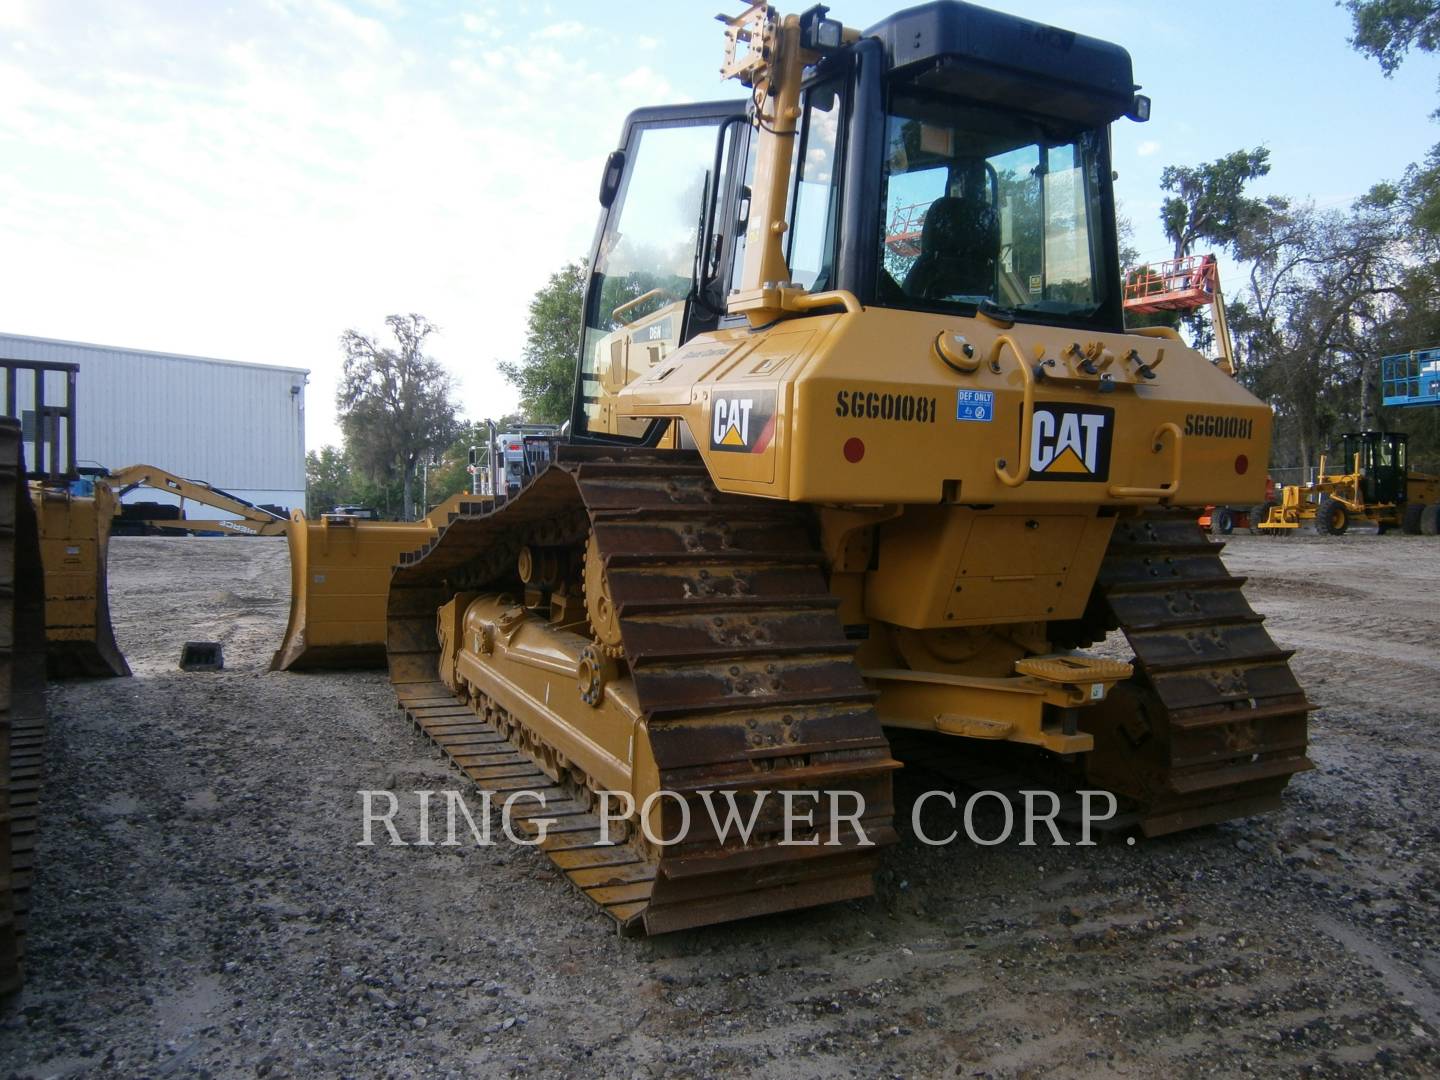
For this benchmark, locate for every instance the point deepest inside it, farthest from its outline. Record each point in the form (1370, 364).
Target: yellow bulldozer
(73, 515)
(861, 455)
(1379, 487)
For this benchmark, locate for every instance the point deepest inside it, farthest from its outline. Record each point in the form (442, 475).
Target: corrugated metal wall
(236, 426)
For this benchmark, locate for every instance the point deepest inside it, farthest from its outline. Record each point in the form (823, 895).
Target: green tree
(327, 480)
(1388, 29)
(545, 374)
(1320, 287)
(395, 405)
(1208, 201)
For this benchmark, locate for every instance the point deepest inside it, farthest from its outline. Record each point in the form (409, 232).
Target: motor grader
(837, 496)
(1379, 487)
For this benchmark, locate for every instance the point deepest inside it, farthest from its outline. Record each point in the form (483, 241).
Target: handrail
(638, 300)
(1027, 412)
(1155, 331)
(1173, 430)
(806, 301)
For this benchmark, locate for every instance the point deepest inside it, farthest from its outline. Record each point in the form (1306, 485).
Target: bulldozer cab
(946, 160)
(1382, 464)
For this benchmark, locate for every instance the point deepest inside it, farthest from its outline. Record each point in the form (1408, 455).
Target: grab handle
(1027, 412)
(1170, 491)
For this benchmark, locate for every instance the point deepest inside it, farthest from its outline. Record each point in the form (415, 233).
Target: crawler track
(1213, 723)
(22, 700)
(1211, 726)
(741, 668)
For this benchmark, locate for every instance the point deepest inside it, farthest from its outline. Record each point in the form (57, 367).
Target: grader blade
(339, 579)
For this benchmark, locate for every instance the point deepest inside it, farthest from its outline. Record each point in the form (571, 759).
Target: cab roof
(961, 48)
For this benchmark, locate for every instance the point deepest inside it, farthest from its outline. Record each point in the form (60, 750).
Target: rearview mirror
(610, 178)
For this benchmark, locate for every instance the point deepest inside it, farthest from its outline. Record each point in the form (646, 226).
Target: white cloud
(1147, 148)
(569, 28)
(648, 85)
(250, 184)
(14, 14)
(369, 32)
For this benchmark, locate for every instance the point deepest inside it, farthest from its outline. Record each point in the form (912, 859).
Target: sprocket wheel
(604, 619)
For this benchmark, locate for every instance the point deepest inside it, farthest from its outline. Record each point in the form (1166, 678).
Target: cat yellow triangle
(732, 438)
(1068, 462)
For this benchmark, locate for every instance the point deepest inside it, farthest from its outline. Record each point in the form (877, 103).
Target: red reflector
(1242, 463)
(854, 450)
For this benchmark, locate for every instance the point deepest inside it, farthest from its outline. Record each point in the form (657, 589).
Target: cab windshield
(994, 209)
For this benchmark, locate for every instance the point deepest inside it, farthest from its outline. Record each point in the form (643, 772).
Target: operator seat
(959, 245)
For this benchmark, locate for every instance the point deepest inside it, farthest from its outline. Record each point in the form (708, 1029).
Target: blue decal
(975, 405)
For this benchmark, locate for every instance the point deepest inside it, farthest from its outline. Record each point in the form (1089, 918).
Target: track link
(1213, 723)
(742, 671)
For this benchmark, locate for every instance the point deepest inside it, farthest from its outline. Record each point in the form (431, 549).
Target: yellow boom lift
(904, 486)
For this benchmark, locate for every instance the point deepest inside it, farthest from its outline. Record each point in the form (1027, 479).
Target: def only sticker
(975, 405)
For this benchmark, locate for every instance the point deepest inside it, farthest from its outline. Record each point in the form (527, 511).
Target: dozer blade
(22, 699)
(74, 548)
(339, 577)
(742, 679)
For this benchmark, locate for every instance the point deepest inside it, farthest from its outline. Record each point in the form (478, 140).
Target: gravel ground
(201, 906)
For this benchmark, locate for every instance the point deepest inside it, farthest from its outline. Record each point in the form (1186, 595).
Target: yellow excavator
(247, 520)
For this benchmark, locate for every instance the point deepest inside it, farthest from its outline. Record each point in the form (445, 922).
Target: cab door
(651, 284)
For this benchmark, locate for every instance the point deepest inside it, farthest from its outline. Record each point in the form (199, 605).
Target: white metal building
(236, 426)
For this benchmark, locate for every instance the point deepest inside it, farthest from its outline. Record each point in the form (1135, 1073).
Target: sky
(248, 179)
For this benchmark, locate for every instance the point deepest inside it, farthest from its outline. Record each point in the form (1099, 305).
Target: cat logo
(743, 423)
(1071, 442)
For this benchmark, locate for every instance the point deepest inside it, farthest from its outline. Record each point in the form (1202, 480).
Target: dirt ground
(201, 906)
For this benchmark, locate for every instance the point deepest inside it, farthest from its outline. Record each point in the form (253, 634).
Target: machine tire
(1331, 517)
(1222, 521)
(1430, 520)
(1410, 520)
(1257, 515)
